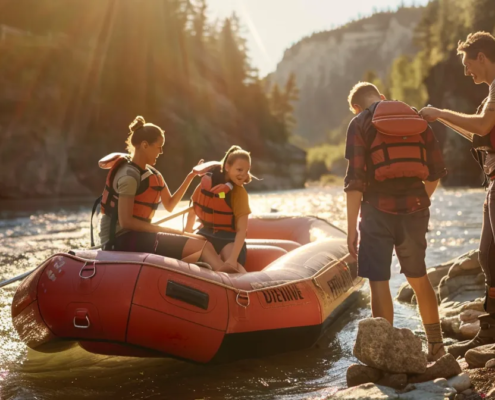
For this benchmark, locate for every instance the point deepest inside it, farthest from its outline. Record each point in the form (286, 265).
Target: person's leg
(428, 309)
(411, 252)
(381, 301)
(225, 253)
(486, 334)
(188, 249)
(376, 245)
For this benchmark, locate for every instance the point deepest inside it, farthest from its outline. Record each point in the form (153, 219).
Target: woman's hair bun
(137, 123)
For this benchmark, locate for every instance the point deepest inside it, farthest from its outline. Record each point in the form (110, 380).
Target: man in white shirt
(478, 58)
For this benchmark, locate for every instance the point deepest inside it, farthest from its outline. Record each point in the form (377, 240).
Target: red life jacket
(398, 149)
(146, 200)
(211, 204)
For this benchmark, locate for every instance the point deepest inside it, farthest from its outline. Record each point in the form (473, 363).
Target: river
(31, 231)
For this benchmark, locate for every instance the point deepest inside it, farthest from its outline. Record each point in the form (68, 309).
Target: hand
(230, 266)
(193, 172)
(352, 243)
(430, 114)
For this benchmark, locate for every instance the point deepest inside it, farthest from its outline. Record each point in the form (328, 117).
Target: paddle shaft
(26, 274)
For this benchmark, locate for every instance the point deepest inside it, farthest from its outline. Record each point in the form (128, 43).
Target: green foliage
(324, 159)
(162, 59)
(282, 103)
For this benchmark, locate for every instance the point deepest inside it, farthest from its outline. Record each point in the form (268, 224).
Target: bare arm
(240, 238)
(477, 124)
(191, 219)
(430, 187)
(169, 200)
(354, 198)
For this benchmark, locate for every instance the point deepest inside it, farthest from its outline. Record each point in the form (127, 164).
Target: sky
(272, 26)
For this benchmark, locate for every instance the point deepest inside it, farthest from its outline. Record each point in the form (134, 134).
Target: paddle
(25, 274)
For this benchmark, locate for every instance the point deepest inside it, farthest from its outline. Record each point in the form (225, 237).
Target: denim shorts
(381, 233)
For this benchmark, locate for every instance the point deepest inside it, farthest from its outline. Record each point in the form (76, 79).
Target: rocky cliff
(328, 64)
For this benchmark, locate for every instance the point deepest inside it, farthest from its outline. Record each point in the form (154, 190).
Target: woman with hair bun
(133, 191)
(221, 204)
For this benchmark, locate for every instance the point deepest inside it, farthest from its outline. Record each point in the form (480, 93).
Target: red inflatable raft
(137, 304)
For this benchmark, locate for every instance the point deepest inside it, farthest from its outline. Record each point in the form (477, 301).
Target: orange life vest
(211, 204)
(146, 200)
(398, 149)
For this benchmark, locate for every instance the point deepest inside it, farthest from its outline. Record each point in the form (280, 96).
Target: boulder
(405, 293)
(381, 346)
(460, 382)
(438, 389)
(396, 381)
(358, 374)
(469, 330)
(479, 356)
(444, 367)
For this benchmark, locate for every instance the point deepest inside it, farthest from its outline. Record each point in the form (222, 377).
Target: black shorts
(220, 239)
(164, 244)
(381, 232)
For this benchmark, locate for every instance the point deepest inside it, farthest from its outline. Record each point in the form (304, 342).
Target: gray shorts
(381, 232)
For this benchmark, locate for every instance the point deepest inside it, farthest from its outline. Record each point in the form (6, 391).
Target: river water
(30, 232)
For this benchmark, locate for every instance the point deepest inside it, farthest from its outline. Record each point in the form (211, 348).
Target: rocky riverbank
(393, 362)
(460, 285)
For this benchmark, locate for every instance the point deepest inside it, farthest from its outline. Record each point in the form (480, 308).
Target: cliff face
(329, 63)
(41, 159)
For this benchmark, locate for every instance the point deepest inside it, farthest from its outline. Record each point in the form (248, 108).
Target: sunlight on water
(27, 238)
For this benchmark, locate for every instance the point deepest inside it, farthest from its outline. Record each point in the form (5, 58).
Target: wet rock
(478, 357)
(490, 364)
(470, 315)
(444, 367)
(358, 374)
(469, 330)
(466, 264)
(436, 274)
(451, 286)
(460, 382)
(367, 391)
(467, 392)
(396, 381)
(381, 346)
(437, 389)
(451, 326)
(405, 293)
(460, 396)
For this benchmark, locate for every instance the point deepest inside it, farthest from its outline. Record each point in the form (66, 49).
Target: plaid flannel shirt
(396, 196)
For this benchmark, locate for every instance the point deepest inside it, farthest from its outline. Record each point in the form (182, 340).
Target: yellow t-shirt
(240, 202)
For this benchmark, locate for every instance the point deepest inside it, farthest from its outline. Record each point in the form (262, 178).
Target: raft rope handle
(84, 267)
(234, 289)
(245, 295)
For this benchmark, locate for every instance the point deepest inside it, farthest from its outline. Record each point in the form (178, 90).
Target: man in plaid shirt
(394, 214)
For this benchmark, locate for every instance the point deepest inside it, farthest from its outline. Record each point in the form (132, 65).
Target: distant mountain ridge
(328, 63)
